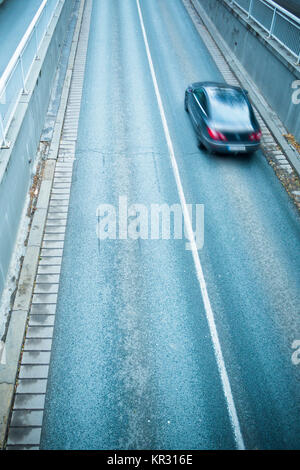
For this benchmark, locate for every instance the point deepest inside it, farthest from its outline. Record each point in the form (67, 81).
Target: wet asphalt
(133, 364)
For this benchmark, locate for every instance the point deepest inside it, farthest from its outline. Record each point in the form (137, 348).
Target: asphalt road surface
(135, 359)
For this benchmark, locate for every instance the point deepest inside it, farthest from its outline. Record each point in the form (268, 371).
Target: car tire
(185, 106)
(200, 144)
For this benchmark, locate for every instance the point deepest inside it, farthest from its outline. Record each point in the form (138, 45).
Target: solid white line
(200, 276)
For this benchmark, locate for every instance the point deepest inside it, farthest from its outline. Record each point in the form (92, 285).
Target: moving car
(223, 117)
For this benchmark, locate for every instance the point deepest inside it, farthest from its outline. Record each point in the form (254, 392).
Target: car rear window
(228, 106)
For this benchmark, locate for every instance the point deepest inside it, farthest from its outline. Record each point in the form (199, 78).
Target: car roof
(207, 85)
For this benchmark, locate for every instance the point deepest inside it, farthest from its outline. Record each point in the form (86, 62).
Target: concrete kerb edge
(29, 267)
(53, 150)
(241, 75)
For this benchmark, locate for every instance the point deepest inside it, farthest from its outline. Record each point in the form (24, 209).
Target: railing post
(36, 44)
(273, 23)
(250, 8)
(25, 92)
(4, 144)
(48, 17)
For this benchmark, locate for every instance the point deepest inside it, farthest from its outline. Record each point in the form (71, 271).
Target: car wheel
(185, 105)
(200, 144)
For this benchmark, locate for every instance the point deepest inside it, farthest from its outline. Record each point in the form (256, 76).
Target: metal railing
(13, 80)
(279, 23)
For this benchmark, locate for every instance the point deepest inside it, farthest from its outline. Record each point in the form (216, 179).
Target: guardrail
(13, 80)
(279, 23)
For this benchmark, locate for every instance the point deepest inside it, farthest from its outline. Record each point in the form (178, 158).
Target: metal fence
(13, 80)
(278, 22)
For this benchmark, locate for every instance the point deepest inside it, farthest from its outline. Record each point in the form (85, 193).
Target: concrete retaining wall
(16, 163)
(272, 70)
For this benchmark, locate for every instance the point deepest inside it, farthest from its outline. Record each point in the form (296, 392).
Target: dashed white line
(200, 276)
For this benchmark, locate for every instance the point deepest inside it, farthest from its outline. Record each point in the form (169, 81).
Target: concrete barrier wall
(16, 163)
(272, 71)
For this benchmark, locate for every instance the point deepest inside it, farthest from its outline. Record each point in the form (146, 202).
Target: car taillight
(216, 135)
(255, 136)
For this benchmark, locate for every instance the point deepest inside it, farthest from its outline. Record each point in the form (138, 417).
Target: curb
(19, 314)
(27, 412)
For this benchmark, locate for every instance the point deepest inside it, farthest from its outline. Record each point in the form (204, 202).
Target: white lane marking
(200, 276)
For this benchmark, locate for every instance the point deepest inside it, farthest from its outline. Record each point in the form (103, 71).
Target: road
(133, 361)
(15, 17)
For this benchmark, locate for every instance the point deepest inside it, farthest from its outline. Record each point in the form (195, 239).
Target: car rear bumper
(231, 147)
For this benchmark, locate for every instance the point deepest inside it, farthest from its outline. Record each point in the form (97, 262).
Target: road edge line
(200, 276)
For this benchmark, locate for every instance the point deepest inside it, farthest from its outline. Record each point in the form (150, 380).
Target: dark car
(223, 117)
